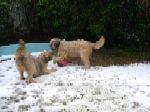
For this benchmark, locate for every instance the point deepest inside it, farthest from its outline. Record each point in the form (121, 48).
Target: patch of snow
(74, 89)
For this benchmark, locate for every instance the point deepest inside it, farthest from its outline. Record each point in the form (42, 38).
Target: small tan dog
(75, 49)
(34, 66)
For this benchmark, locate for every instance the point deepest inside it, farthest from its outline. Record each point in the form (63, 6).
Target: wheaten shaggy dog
(79, 48)
(34, 66)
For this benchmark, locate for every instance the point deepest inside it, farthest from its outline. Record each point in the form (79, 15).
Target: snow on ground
(74, 89)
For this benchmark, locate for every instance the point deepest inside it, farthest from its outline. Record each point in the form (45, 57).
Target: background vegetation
(124, 23)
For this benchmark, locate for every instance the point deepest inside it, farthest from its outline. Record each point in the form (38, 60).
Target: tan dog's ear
(47, 54)
(43, 55)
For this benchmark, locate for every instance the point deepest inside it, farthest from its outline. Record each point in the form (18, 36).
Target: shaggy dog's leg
(21, 74)
(86, 62)
(21, 71)
(30, 76)
(52, 70)
(85, 55)
(45, 69)
(48, 71)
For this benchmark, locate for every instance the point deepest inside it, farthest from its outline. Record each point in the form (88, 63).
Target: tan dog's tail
(21, 43)
(99, 43)
(20, 52)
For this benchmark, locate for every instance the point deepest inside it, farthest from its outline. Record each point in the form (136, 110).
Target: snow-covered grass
(74, 89)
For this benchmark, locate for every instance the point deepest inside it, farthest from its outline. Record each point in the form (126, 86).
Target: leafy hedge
(122, 22)
(5, 23)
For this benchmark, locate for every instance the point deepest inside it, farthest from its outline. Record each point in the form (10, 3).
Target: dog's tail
(21, 43)
(99, 43)
(20, 52)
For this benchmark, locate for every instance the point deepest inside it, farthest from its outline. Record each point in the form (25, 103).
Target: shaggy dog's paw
(86, 67)
(29, 82)
(22, 78)
(52, 70)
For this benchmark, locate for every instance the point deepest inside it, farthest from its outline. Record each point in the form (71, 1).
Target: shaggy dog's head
(54, 43)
